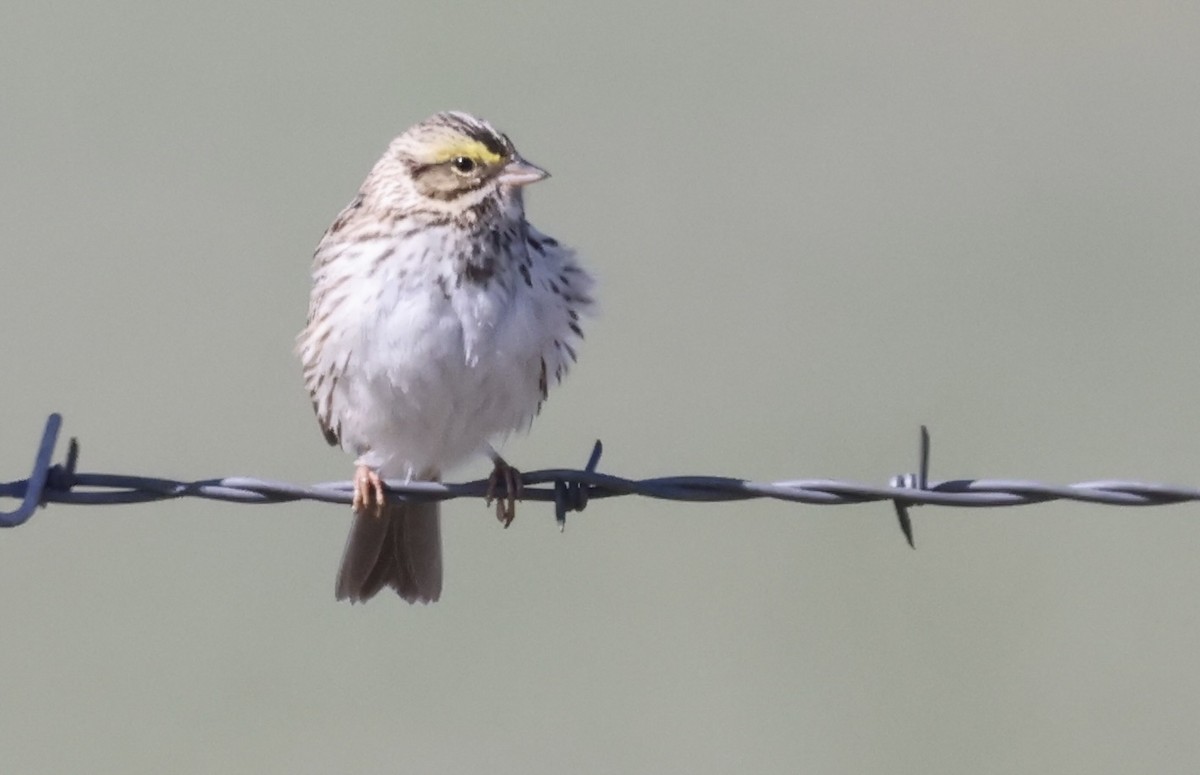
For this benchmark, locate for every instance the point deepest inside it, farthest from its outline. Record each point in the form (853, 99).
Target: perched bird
(438, 318)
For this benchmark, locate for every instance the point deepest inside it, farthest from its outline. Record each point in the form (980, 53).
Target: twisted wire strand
(570, 489)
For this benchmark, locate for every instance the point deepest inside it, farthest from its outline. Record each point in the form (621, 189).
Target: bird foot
(368, 492)
(505, 488)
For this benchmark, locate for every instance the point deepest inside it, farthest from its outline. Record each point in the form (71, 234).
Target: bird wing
(322, 369)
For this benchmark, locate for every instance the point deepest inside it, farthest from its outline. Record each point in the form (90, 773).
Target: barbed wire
(570, 490)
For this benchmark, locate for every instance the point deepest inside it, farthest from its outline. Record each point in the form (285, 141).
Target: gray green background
(815, 227)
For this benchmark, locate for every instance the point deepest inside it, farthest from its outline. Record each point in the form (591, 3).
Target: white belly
(433, 379)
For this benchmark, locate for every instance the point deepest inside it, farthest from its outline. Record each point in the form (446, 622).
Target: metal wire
(570, 490)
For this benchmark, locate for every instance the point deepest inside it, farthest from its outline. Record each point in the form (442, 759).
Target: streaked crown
(445, 136)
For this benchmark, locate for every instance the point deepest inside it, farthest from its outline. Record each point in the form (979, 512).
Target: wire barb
(32, 490)
(573, 496)
(917, 481)
(571, 490)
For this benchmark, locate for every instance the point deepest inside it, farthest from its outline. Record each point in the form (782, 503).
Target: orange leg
(368, 491)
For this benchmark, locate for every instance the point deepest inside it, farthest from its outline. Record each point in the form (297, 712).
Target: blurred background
(815, 227)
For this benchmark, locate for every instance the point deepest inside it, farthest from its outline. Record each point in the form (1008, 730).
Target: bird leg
(504, 487)
(368, 491)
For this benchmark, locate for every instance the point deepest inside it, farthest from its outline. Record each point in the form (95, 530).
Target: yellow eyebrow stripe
(472, 149)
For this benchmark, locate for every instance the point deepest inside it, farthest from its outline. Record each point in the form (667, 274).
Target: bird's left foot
(368, 492)
(505, 488)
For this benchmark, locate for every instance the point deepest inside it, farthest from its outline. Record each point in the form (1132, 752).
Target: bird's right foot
(369, 496)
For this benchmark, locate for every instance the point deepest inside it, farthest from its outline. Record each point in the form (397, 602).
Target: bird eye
(463, 164)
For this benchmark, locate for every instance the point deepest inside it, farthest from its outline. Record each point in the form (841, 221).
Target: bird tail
(401, 548)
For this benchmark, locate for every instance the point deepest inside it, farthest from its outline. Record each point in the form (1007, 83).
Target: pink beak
(519, 172)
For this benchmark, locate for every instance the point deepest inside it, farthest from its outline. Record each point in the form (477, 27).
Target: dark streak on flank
(525, 275)
(381, 259)
(480, 274)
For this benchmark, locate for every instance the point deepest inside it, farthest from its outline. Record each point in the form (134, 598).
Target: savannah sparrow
(437, 320)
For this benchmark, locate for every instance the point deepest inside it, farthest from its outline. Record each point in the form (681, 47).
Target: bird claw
(506, 501)
(369, 496)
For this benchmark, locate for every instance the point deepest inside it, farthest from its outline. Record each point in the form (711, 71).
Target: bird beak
(519, 172)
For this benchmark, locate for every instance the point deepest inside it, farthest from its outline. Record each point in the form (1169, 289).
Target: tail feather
(400, 548)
